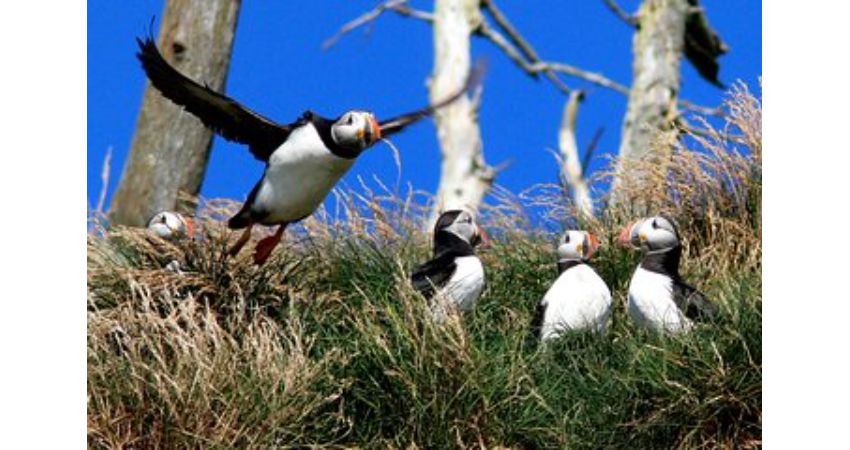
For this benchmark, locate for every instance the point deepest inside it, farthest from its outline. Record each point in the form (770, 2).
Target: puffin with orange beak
(304, 159)
(658, 297)
(454, 278)
(579, 299)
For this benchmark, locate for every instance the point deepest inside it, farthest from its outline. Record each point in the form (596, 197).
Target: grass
(328, 346)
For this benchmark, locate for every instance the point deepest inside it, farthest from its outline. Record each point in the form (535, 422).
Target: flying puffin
(658, 297)
(304, 159)
(171, 225)
(579, 299)
(455, 276)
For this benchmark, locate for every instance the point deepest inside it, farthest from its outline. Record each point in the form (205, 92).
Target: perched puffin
(454, 278)
(304, 159)
(171, 225)
(658, 297)
(579, 299)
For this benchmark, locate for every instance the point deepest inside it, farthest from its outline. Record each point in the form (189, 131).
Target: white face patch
(572, 245)
(351, 129)
(464, 227)
(656, 233)
(167, 224)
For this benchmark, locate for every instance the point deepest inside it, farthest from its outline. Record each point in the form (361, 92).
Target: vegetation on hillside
(327, 344)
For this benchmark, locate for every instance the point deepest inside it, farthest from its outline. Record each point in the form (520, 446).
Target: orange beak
(625, 238)
(592, 247)
(190, 227)
(375, 127)
(485, 238)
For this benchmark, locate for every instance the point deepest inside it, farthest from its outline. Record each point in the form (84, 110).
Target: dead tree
(488, 21)
(170, 148)
(665, 31)
(464, 176)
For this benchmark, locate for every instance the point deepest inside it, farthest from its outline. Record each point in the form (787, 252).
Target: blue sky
(279, 69)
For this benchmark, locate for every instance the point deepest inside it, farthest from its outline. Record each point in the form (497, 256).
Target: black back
(436, 272)
(688, 299)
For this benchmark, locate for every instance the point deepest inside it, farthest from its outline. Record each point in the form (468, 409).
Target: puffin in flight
(658, 297)
(579, 299)
(454, 278)
(304, 159)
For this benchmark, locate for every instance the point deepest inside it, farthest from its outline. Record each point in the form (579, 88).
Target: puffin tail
(241, 220)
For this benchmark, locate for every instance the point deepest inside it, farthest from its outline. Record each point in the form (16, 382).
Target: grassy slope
(327, 345)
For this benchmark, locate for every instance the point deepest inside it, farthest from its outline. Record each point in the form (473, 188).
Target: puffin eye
(655, 223)
(567, 238)
(350, 119)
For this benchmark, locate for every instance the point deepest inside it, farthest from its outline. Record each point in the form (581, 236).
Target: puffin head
(651, 234)
(170, 225)
(577, 245)
(356, 130)
(461, 223)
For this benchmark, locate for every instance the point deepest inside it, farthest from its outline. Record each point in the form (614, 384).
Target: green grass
(328, 346)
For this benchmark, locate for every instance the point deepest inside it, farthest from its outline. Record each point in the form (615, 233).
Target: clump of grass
(328, 346)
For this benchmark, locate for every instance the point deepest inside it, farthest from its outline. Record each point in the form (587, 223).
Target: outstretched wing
(434, 274)
(398, 123)
(221, 114)
(693, 303)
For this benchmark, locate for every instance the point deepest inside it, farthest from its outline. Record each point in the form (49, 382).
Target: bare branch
(514, 35)
(400, 7)
(485, 30)
(591, 147)
(571, 167)
(630, 19)
(592, 77)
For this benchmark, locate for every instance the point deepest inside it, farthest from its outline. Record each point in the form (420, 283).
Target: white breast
(466, 284)
(578, 300)
(299, 176)
(651, 302)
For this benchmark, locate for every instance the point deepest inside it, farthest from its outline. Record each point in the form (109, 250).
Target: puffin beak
(372, 131)
(190, 227)
(485, 238)
(592, 246)
(626, 239)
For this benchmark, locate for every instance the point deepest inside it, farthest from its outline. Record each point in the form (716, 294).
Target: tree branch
(513, 45)
(571, 166)
(400, 7)
(630, 19)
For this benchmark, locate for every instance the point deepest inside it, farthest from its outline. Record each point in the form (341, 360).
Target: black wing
(398, 123)
(433, 274)
(692, 302)
(221, 114)
(536, 326)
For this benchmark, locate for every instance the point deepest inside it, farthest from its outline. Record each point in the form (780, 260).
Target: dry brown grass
(325, 345)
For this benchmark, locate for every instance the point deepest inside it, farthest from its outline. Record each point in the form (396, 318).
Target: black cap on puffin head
(651, 233)
(577, 245)
(461, 223)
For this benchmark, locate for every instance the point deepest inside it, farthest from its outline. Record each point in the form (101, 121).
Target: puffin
(579, 299)
(659, 299)
(171, 225)
(303, 159)
(453, 279)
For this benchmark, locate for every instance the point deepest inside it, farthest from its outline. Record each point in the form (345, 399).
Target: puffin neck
(665, 262)
(447, 242)
(565, 264)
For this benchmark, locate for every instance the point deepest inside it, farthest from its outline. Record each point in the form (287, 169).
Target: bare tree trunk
(170, 149)
(658, 46)
(464, 178)
(571, 170)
